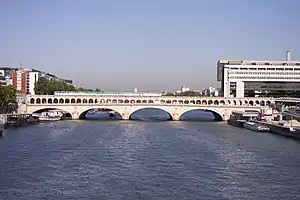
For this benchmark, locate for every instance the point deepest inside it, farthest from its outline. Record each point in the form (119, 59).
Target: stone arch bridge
(78, 105)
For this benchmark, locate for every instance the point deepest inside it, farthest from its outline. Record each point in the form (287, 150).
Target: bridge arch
(251, 103)
(82, 113)
(161, 108)
(38, 101)
(32, 101)
(217, 114)
(234, 102)
(240, 102)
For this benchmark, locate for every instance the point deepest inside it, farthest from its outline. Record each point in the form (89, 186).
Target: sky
(119, 45)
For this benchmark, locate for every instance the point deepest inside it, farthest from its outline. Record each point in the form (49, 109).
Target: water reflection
(150, 114)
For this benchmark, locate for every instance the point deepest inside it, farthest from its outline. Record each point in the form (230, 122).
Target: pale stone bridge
(79, 105)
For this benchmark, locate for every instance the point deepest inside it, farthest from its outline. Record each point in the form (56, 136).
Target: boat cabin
(245, 115)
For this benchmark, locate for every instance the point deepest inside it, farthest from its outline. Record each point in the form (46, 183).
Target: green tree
(97, 90)
(47, 87)
(8, 99)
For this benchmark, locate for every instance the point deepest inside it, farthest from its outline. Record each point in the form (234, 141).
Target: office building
(240, 78)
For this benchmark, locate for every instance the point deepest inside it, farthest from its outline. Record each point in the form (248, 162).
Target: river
(131, 160)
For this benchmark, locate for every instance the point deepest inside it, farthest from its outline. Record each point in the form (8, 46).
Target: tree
(97, 90)
(8, 102)
(47, 87)
(42, 86)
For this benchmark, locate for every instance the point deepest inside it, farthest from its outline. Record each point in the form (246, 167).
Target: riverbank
(17, 120)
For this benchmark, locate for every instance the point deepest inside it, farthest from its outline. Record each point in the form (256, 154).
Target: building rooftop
(254, 62)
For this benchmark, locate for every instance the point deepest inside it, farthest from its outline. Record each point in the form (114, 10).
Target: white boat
(50, 116)
(256, 127)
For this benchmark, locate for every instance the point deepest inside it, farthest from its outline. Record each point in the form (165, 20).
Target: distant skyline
(148, 44)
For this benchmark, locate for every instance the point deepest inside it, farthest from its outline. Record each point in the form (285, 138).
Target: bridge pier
(225, 116)
(175, 117)
(75, 115)
(125, 116)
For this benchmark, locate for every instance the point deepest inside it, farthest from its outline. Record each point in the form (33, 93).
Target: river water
(161, 160)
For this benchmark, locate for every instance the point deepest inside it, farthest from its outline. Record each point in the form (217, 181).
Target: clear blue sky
(148, 44)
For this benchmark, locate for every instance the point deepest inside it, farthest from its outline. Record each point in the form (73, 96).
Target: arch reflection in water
(200, 115)
(150, 114)
(100, 114)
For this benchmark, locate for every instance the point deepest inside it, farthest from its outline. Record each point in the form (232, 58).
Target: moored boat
(256, 127)
(238, 118)
(236, 122)
(49, 116)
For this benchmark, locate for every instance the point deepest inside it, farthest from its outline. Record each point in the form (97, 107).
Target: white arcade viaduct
(78, 105)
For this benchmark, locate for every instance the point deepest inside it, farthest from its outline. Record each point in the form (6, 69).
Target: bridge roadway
(78, 106)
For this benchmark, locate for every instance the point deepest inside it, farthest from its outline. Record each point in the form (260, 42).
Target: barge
(253, 126)
(238, 118)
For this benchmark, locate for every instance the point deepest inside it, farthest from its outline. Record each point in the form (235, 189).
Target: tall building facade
(19, 80)
(24, 80)
(259, 78)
